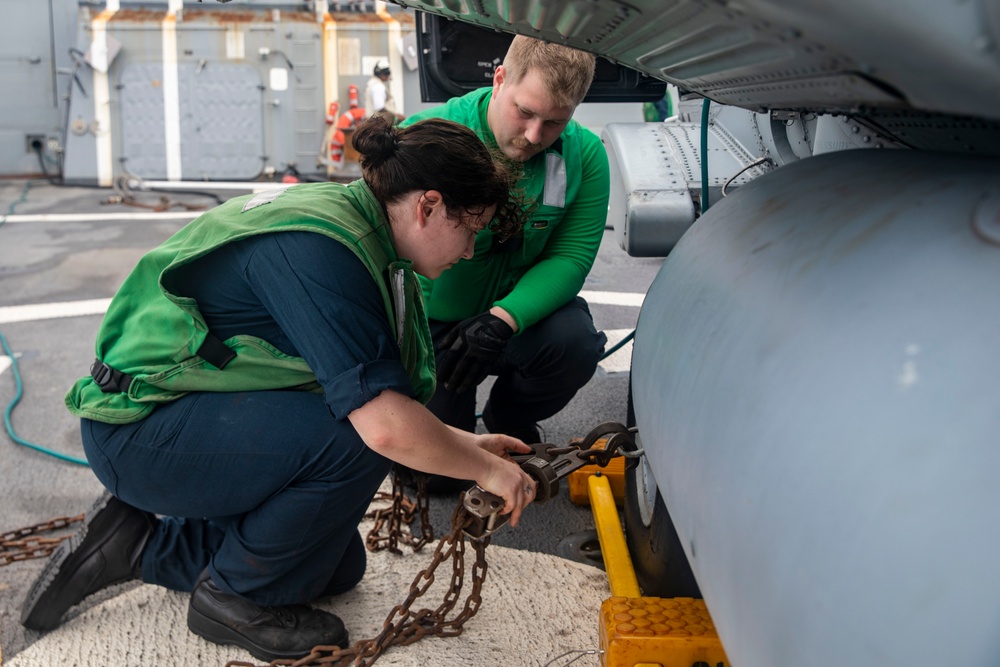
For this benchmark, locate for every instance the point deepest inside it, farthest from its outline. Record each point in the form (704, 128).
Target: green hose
(18, 393)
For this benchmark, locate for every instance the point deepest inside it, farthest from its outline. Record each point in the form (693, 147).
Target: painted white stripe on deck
(4, 363)
(621, 361)
(101, 217)
(249, 186)
(614, 298)
(48, 311)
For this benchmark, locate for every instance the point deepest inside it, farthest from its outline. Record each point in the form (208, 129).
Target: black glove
(470, 351)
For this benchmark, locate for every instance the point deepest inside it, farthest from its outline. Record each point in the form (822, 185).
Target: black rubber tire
(661, 566)
(583, 547)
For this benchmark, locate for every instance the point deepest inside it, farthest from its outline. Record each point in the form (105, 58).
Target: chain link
(402, 626)
(27, 543)
(401, 511)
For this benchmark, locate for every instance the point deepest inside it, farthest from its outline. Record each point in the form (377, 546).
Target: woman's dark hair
(438, 154)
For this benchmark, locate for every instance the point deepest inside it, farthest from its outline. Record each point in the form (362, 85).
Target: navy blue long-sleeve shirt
(309, 296)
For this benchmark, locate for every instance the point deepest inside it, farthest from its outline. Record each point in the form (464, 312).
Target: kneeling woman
(257, 374)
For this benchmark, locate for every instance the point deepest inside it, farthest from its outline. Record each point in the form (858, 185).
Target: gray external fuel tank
(817, 380)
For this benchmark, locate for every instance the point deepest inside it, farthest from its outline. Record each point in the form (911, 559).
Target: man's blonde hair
(566, 72)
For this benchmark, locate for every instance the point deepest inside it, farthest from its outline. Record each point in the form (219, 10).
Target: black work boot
(107, 550)
(268, 633)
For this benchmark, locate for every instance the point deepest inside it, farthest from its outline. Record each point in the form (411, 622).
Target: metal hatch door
(220, 113)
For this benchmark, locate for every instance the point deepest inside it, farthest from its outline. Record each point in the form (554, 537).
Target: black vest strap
(213, 350)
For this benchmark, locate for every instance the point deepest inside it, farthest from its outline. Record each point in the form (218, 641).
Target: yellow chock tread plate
(670, 632)
(614, 471)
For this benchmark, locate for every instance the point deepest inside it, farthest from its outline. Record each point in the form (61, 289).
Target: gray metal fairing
(817, 55)
(819, 375)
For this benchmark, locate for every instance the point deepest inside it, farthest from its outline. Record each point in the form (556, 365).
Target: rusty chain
(401, 511)
(123, 188)
(26, 543)
(164, 204)
(403, 626)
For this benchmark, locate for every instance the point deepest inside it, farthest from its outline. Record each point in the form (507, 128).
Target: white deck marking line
(253, 188)
(101, 217)
(4, 363)
(47, 311)
(614, 298)
(621, 361)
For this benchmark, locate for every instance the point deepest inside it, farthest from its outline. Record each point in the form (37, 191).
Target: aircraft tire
(661, 566)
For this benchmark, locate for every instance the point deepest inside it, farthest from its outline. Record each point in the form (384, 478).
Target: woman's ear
(427, 204)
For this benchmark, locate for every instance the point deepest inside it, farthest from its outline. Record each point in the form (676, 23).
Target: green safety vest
(567, 188)
(153, 335)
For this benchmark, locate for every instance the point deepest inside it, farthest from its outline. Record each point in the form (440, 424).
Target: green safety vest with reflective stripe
(153, 335)
(567, 188)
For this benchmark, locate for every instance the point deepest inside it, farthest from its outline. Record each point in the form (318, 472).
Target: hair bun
(376, 139)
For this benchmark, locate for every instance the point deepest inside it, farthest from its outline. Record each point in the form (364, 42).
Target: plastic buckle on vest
(108, 379)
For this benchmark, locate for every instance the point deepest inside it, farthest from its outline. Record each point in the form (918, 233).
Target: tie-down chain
(26, 543)
(547, 464)
(476, 517)
(403, 626)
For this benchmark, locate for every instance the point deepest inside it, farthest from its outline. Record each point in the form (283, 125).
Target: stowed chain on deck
(404, 626)
(401, 511)
(26, 543)
(476, 517)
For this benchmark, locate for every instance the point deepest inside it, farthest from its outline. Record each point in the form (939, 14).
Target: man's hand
(471, 350)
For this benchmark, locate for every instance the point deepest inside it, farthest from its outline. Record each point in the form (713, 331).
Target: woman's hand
(502, 445)
(505, 478)
(401, 429)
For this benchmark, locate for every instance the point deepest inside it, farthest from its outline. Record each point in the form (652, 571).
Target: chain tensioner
(547, 464)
